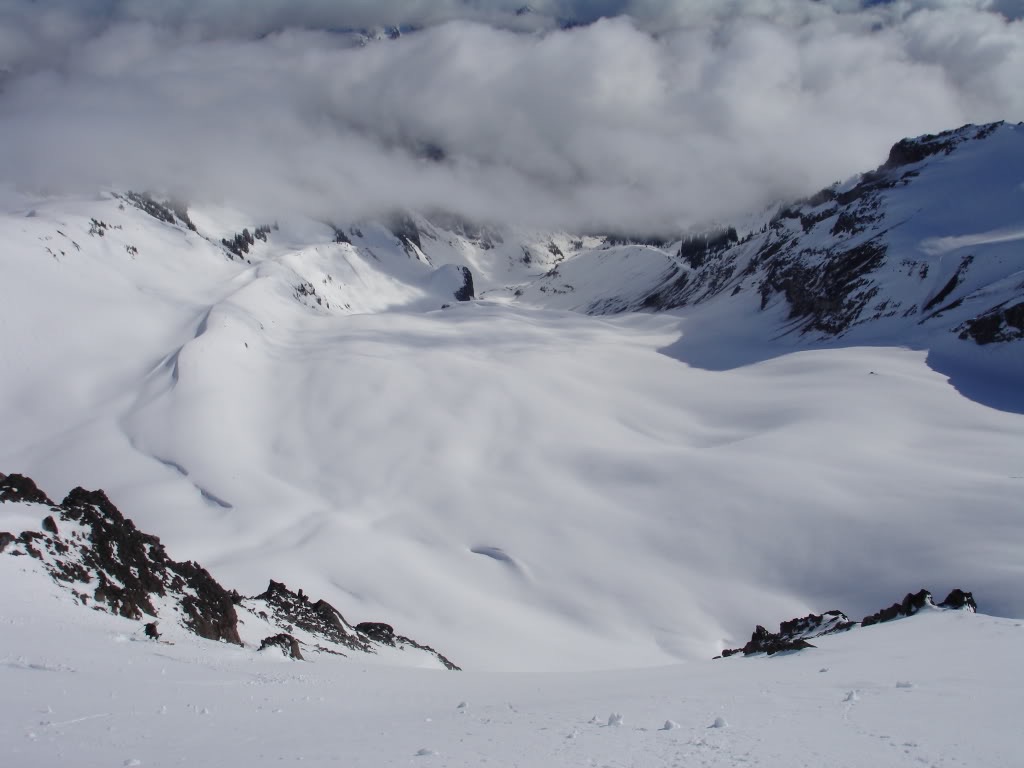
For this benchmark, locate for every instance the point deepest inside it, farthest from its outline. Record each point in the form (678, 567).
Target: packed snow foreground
(489, 440)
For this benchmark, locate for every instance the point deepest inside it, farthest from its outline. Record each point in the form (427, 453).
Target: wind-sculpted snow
(364, 445)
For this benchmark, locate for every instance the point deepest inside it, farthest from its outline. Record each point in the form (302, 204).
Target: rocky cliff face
(91, 549)
(929, 241)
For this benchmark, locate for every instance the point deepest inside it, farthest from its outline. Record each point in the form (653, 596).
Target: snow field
(642, 510)
(933, 690)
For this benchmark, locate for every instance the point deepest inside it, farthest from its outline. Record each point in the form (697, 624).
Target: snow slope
(82, 688)
(520, 487)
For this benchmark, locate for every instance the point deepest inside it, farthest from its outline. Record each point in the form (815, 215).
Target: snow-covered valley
(563, 502)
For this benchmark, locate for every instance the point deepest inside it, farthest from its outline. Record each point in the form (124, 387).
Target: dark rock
(793, 634)
(951, 285)
(126, 567)
(695, 251)
(319, 618)
(910, 605)
(296, 611)
(376, 630)
(958, 600)
(910, 151)
(287, 644)
(20, 488)
(814, 625)
(826, 257)
(466, 292)
(145, 203)
(827, 297)
(129, 570)
(401, 641)
(404, 228)
(626, 238)
(1000, 324)
(239, 244)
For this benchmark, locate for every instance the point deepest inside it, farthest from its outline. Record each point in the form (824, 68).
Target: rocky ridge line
(91, 549)
(793, 635)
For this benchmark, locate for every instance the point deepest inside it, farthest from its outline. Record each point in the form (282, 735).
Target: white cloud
(683, 112)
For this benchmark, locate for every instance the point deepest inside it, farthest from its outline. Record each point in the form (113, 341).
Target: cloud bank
(641, 115)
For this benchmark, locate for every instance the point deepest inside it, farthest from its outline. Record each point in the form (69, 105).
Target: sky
(646, 116)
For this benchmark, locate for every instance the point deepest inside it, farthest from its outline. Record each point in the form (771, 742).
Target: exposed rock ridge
(794, 634)
(840, 260)
(821, 254)
(320, 626)
(90, 548)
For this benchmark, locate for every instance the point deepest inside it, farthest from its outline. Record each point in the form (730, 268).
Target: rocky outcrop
(86, 544)
(169, 212)
(696, 251)
(466, 292)
(958, 600)
(910, 151)
(404, 227)
(317, 618)
(794, 634)
(376, 630)
(21, 488)
(89, 547)
(318, 625)
(862, 254)
(385, 635)
(917, 601)
(1002, 323)
(287, 644)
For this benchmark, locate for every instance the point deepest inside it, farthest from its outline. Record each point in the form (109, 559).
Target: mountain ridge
(312, 409)
(86, 541)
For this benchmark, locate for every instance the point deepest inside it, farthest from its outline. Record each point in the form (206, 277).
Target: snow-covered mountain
(925, 248)
(326, 404)
(533, 451)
